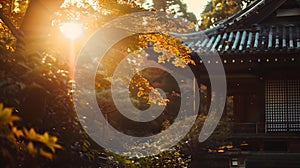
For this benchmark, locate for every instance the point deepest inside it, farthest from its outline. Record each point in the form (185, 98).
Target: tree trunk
(36, 24)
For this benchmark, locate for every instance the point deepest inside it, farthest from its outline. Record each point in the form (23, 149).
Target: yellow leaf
(13, 118)
(4, 113)
(31, 134)
(46, 154)
(17, 132)
(6, 116)
(49, 141)
(31, 149)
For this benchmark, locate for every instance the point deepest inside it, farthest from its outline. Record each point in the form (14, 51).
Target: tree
(217, 10)
(176, 7)
(36, 84)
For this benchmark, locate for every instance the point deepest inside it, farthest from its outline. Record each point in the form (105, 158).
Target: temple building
(260, 48)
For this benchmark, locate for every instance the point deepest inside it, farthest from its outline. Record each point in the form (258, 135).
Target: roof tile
(261, 39)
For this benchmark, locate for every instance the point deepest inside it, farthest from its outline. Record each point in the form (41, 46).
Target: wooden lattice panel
(282, 105)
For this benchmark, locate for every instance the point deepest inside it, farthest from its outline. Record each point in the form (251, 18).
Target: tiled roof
(252, 36)
(279, 38)
(250, 31)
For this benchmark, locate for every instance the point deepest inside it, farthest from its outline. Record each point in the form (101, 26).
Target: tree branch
(17, 33)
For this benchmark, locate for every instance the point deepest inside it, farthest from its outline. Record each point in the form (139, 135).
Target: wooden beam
(288, 12)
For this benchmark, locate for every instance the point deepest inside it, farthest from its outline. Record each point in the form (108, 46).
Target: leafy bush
(17, 141)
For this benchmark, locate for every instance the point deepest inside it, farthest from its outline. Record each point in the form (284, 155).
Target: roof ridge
(254, 14)
(250, 7)
(243, 19)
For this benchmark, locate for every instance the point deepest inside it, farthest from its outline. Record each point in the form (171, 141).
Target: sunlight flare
(72, 30)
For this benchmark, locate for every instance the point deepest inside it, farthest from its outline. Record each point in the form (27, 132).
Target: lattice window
(282, 98)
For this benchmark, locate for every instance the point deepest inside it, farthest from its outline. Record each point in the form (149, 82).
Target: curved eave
(277, 38)
(255, 13)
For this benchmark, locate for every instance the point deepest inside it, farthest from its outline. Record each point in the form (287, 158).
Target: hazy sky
(196, 6)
